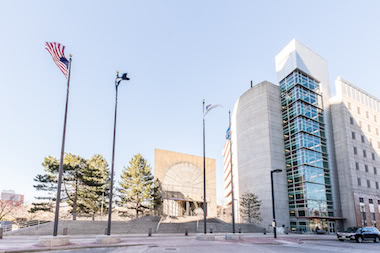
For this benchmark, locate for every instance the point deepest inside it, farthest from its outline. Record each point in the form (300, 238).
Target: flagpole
(204, 173)
(60, 170)
(232, 178)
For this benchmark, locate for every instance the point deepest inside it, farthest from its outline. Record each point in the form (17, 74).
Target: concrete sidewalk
(30, 243)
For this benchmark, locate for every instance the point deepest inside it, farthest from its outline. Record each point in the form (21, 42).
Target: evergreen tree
(157, 196)
(73, 166)
(250, 207)
(94, 191)
(82, 183)
(46, 183)
(137, 185)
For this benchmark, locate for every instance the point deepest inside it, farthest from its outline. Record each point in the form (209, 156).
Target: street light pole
(117, 82)
(273, 207)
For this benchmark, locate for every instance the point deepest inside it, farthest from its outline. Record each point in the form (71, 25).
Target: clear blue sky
(176, 53)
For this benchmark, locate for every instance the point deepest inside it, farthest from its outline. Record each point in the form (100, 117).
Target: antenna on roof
(251, 84)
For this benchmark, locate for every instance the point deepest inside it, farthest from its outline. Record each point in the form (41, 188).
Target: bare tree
(6, 207)
(250, 207)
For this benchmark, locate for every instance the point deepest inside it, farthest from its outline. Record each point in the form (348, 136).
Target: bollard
(105, 231)
(65, 231)
(265, 231)
(210, 230)
(1, 233)
(186, 231)
(239, 230)
(150, 232)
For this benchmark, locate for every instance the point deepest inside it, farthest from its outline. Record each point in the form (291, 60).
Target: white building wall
(363, 108)
(258, 148)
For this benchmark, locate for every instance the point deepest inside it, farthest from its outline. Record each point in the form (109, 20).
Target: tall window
(362, 212)
(377, 185)
(374, 118)
(359, 182)
(366, 167)
(363, 139)
(355, 151)
(369, 128)
(372, 211)
(364, 153)
(368, 184)
(357, 165)
(353, 135)
(373, 156)
(351, 120)
(374, 170)
(366, 114)
(358, 109)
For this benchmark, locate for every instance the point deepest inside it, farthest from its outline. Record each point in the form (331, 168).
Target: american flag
(57, 51)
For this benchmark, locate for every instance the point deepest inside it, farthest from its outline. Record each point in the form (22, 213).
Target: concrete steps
(136, 226)
(80, 227)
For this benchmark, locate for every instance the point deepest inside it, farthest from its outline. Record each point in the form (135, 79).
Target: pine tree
(82, 183)
(73, 167)
(157, 196)
(250, 207)
(93, 193)
(137, 185)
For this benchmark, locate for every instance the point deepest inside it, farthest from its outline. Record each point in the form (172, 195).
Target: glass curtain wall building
(306, 158)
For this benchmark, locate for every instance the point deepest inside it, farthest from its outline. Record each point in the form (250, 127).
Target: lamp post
(273, 207)
(117, 82)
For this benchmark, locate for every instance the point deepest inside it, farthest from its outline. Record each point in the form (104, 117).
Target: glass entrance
(332, 227)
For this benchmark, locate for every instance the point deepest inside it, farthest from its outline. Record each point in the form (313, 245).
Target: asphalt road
(309, 246)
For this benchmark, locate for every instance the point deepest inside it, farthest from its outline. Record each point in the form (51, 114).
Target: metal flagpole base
(51, 241)
(205, 237)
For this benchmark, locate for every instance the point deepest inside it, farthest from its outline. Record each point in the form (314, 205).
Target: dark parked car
(361, 234)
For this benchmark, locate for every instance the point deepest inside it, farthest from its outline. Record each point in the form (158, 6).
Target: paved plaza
(180, 243)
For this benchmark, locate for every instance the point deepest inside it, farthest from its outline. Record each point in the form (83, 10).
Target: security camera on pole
(205, 111)
(117, 82)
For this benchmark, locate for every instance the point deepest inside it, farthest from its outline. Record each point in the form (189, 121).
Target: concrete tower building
(309, 148)
(258, 148)
(289, 127)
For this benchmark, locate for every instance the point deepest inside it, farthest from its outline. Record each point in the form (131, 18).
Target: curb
(72, 247)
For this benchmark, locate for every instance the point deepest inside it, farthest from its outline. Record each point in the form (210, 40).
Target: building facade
(356, 124)
(181, 178)
(258, 148)
(314, 202)
(13, 197)
(288, 127)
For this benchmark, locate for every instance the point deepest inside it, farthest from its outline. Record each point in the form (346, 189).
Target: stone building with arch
(181, 178)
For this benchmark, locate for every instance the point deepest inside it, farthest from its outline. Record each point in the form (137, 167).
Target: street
(220, 246)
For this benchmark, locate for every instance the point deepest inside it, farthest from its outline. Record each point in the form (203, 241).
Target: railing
(33, 223)
(6, 228)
